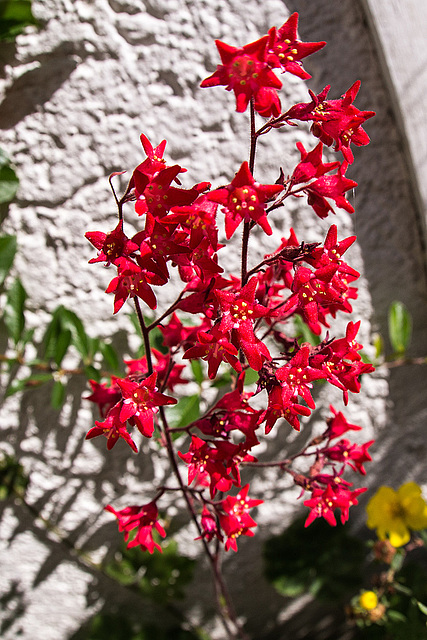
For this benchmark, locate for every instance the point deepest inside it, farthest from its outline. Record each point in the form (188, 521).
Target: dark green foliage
(15, 15)
(13, 481)
(110, 627)
(319, 559)
(160, 577)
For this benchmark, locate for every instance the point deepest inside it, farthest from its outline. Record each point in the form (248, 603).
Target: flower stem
(145, 335)
(226, 609)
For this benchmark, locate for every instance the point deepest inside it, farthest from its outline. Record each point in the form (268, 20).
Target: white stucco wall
(75, 96)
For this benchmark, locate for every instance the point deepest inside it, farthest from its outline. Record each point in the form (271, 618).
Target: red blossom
(104, 396)
(143, 518)
(111, 246)
(245, 199)
(113, 428)
(323, 502)
(234, 519)
(141, 402)
(214, 348)
(286, 50)
(243, 70)
(335, 121)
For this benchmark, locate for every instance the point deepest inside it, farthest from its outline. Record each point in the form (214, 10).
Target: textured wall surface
(75, 95)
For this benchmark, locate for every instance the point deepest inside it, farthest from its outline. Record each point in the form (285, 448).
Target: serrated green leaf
(187, 410)
(14, 317)
(58, 395)
(9, 184)
(7, 255)
(399, 327)
(35, 380)
(27, 336)
(197, 369)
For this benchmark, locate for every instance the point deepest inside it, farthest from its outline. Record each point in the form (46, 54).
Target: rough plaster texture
(75, 96)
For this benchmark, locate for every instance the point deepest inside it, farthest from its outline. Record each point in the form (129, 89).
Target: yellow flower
(368, 600)
(394, 513)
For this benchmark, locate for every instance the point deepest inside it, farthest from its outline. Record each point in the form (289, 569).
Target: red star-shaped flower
(243, 70)
(244, 199)
(286, 51)
(141, 402)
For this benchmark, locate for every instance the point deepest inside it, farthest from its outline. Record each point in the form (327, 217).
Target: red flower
(349, 453)
(163, 367)
(113, 428)
(157, 195)
(282, 403)
(243, 70)
(133, 281)
(335, 121)
(311, 165)
(144, 519)
(338, 425)
(323, 502)
(298, 375)
(236, 521)
(244, 199)
(104, 396)
(286, 51)
(111, 246)
(141, 402)
(239, 310)
(332, 187)
(202, 458)
(214, 348)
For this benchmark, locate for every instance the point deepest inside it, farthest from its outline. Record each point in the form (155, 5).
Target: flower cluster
(239, 324)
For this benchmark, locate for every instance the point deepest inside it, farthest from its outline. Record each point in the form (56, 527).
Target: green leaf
(62, 343)
(396, 616)
(111, 358)
(251, 376)
(187, 410)
(58, 396)
(15, 15)
(399, 327)
(7, 255)
(165, 574)
(32, 381)
(197, 369)
(422, 607)
(14, 317)
(69, 320)
(303, 333)
(9, 184)
(51, 334)
(378, 343)
(13, 480)
(92, 374)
